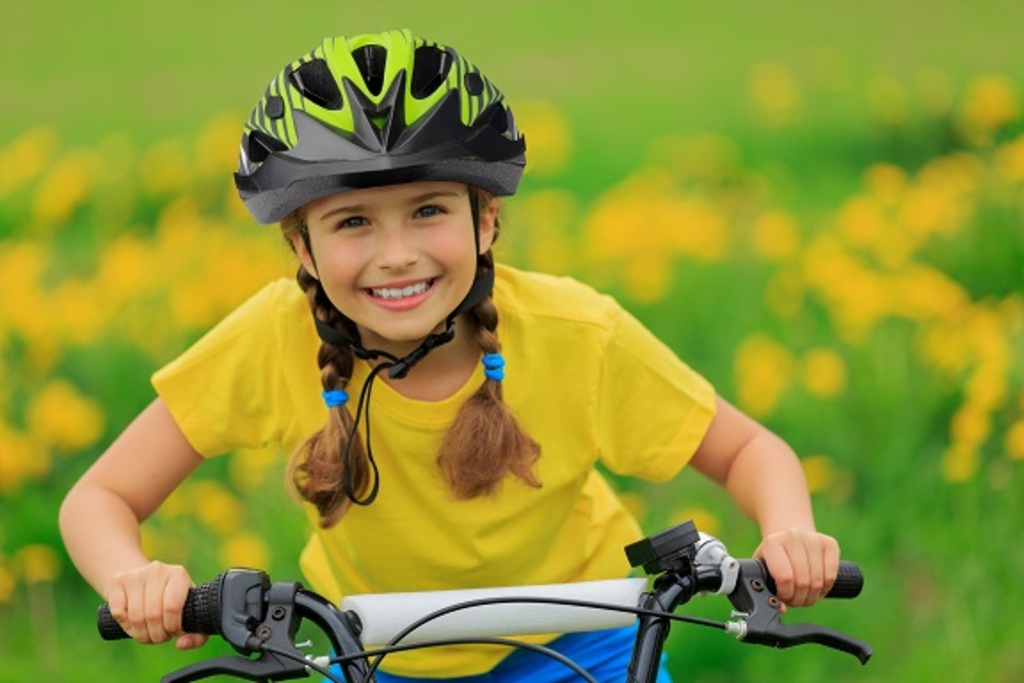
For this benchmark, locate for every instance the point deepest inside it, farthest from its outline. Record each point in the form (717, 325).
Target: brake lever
(760, 610)
(266, 667)
(275, 631)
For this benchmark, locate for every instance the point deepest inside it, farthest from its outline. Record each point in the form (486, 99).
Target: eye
(429, 211)
(351, 222)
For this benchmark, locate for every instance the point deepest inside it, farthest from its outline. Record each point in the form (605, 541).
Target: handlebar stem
(670, 590)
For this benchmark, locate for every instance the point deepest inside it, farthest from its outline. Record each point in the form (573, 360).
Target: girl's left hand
(804, 564)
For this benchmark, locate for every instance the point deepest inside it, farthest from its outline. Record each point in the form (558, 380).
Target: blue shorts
(603, 654)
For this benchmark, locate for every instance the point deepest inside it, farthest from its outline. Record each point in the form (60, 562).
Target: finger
(190, 640)
(779, 567)
(135, 607)
(156, 589)
(175, 594)
(815, 566)
(796, 551)
(117, 601)
(830, 558)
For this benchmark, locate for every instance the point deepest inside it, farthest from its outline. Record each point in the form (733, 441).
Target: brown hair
(483, 444)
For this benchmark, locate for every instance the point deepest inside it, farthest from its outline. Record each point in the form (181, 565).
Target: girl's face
(396, 259)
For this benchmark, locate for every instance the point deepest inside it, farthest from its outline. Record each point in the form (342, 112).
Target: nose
(396, 249)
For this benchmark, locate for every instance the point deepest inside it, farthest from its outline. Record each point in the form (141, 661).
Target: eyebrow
(416, 199)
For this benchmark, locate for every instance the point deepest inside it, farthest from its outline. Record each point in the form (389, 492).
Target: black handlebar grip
(108, 627)
(201, 613)
(849, 581)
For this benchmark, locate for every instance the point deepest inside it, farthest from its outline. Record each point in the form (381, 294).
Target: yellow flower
(991, 103)
(248, 469)
(959, 463)
(548, 135)
(1009, 160)
(125, 269)
(38, 563)
(645, 215)
(774, 92)
(541, 222)
(775, 235)
(215, 506)
(234, 207)
(819, 472)
(924, 293)
(823, 373)
(703, 519)
(244, 549)
(970, 426)
(961, 174)
(946, 347)
(857, 297)
(647, 277)
(862, 222)
(763, 371)
(21, 269)
(987, 384)
(26, 157)
(1014, 441)
(21, 459)
(216, 152)
(927, 210)
(165, 543)
(886, 182)
(6, 583)
(82, 314)
(65, 187)
(62, 417)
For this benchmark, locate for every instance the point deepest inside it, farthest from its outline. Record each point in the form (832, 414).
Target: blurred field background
(819, 206)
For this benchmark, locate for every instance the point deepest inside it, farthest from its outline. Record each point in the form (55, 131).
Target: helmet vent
(474, 83)
(261, 145)
(497, 117)
(274, 107)
(316, 83)
(430, 70)
(371, 60)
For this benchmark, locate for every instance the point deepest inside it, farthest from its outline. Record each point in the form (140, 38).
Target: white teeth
(396, 293)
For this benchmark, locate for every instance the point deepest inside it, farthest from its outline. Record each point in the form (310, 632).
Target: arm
(763, 476)
(100, 521)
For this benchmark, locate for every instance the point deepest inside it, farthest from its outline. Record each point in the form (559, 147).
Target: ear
(305, 257)
(488, 224)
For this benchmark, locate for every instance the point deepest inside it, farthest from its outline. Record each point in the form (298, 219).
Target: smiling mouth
(401, 292)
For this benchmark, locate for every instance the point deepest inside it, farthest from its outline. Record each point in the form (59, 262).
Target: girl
(493, 392)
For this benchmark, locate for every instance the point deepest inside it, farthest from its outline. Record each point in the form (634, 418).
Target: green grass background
(942, 560)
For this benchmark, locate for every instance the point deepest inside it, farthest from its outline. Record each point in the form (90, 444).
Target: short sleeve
(227, 391)
(653, 410)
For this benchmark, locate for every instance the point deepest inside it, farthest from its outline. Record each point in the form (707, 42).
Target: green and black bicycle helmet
(370, 110)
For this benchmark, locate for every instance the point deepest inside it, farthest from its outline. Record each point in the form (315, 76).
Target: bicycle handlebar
(257, 617)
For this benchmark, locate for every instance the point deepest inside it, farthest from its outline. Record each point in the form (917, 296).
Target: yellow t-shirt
(585, 379)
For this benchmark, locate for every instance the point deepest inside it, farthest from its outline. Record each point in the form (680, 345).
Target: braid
(317, 468)
(485, 442)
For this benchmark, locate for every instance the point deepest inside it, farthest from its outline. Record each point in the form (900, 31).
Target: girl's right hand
(147, 602)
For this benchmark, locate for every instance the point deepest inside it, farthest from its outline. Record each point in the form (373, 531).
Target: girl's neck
(442, 372)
